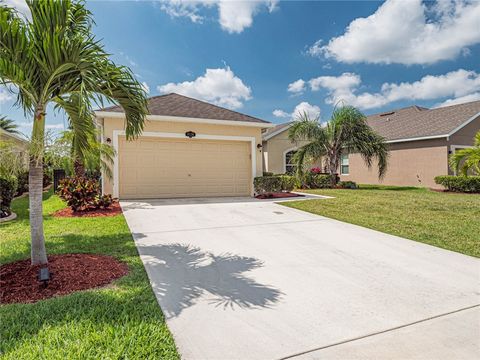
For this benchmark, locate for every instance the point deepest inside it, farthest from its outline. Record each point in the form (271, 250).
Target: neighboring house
(420, 141)
(19, 142)
(189, 148)
(278, 150)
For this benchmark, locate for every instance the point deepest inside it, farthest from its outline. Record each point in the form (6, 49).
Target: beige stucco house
(188, 148)
(20, 143)
(420, 141)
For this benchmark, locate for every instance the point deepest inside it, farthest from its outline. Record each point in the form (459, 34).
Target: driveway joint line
(230, 226)
(379, 332)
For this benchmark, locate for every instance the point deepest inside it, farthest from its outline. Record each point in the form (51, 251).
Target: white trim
(417, 138)
(102, 142)
(117, 133)
(464, 124)
(275, 133)
(119, 115)
(341, 159)
(284, 158)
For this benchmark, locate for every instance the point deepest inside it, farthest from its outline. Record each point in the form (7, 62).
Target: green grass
(447, 220)
(121, 321)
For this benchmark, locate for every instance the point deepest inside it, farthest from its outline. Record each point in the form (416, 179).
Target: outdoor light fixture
(109, 141)
(190, 134)
(44, 276)
(259, 146)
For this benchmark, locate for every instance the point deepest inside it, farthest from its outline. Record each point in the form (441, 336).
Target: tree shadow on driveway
(181, 274)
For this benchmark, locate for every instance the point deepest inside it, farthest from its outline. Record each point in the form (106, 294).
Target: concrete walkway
(247, 279)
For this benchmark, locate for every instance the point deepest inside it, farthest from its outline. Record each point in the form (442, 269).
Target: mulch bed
(115, 209)
(68, 273)
(278, 195)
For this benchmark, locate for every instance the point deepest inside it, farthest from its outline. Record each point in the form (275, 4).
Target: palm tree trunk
(333, 169)
(78, 168)
(35, 188)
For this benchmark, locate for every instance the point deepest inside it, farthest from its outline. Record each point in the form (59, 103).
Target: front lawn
(446, 220)
(122, 320)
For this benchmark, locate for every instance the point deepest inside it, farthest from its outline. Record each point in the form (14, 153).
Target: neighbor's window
(290, 166)
(344, 165)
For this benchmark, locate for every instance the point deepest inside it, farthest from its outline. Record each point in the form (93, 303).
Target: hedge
(467, 184)
(8, 188)
(312, 180)
(275, 183)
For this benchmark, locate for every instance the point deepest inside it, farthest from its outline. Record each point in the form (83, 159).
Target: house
(278, 150)
(20, 144)
(189, 148)
(420, 141)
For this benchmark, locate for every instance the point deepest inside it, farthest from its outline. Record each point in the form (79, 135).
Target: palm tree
(466, 160)
(49, 59)
(346, 132)
(8, 125)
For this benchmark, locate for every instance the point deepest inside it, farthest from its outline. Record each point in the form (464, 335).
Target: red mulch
(115, 209)
(68, 273)
(278, 195)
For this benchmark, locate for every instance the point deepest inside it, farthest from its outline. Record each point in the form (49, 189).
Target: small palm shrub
(315, 179)
(468, 184)
(347, 185)
(8, 188)
(83, 194)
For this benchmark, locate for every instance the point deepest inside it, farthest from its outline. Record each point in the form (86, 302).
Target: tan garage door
(168, 168)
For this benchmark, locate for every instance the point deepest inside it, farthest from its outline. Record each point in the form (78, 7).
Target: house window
(344, 165)
(290, 166)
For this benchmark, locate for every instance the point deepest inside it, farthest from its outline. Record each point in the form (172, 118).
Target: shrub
(266, 173)
(83, 194)
(288, 182)
(312, 180)
(468, 184)
(267, 184)
(347, 185)
(8, 188)
(22, 186)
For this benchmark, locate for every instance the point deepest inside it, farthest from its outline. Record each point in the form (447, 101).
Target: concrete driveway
(249, 279)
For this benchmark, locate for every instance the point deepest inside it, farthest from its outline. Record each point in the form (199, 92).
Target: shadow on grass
(390, 187)
(181, 274)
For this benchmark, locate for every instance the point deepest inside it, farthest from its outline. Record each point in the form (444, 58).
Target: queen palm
(468, 159)
(48, 60)
(8, 125)
(346, 132)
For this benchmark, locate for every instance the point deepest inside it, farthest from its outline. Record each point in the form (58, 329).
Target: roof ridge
(449, 106)
(217, 106)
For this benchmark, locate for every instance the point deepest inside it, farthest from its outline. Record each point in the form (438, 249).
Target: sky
(276, 59)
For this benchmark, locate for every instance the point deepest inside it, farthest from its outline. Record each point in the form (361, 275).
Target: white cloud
(457, 84)
(407, 32)
(19, 5)
(219, 86)
(312, 111)
(5, 95)
(297, 87)
(281, 113)
(460, 100)
(233, 16)
(146, 87)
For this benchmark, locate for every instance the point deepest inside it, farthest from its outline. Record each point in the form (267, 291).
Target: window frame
(345, 157)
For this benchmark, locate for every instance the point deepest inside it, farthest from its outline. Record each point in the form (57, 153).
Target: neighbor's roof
(183, 106)
(277, 129)
(417, 122)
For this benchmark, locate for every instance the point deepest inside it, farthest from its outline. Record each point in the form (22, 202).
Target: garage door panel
(162, 168)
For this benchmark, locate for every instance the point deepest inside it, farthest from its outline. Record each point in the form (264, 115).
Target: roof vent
(388, 113)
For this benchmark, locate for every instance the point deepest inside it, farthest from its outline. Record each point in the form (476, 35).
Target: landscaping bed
(278, 195)
(119, 320)
(113, 210)
(69, 272)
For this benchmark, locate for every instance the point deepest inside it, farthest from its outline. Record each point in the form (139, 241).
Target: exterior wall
(111, 124)
(465, 135)
(273, 150)
(413, 163)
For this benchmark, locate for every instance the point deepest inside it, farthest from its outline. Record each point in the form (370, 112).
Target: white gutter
(417, 138)
(120, 115)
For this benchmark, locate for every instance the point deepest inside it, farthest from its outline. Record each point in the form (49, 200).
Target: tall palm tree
(8, 125)
(346, 132)
(466, 160)
(49, 59)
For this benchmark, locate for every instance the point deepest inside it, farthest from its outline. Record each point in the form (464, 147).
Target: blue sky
(272, 59)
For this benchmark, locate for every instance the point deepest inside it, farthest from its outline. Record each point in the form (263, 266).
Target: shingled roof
(277, 129)
(416, 122)
(184, 106)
